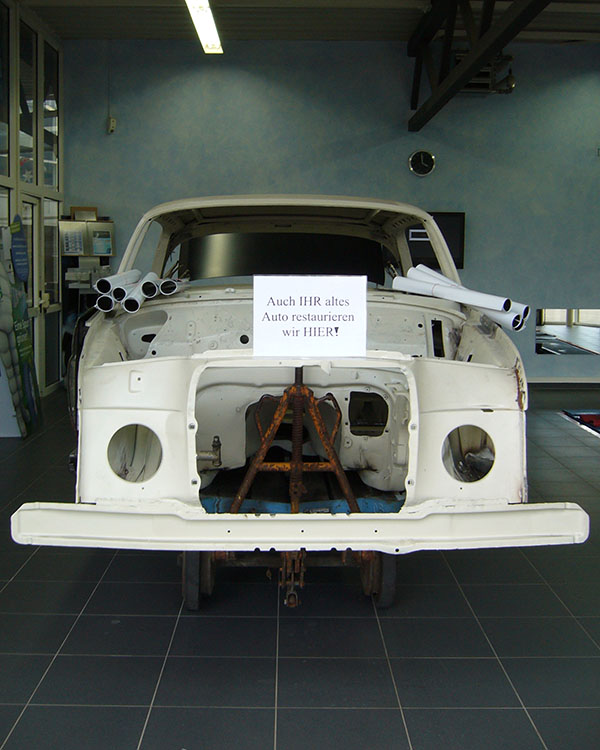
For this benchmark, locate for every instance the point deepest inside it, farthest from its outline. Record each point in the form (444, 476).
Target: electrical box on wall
(92, 238)
(87, 246)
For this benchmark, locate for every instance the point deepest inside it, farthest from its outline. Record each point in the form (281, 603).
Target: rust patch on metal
(521, 388)
(302, 401)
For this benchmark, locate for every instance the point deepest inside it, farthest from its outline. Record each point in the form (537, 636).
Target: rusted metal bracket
(301, 400)
(291, 575)
(212, 456)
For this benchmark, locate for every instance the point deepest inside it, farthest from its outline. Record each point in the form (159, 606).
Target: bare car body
(431, 426)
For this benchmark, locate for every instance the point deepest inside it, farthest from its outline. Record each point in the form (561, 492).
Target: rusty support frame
(301, 400)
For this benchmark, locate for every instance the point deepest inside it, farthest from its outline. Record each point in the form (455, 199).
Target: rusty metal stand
(301, 400)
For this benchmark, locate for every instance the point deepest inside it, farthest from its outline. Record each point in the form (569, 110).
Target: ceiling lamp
(205, 26)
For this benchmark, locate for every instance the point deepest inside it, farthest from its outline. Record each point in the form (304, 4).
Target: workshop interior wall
(331, 118)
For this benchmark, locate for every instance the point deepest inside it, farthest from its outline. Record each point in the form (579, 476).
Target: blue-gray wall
(332, 118)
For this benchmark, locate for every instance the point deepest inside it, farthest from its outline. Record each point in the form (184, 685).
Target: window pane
(27, 217)
(589, 317)
(555, 317)
(52, 348)
(51, 257)
(50, 116)
(27, 85)
(4, 90)
(3, 207)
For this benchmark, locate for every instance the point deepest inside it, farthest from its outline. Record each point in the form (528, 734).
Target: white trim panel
(172, 525)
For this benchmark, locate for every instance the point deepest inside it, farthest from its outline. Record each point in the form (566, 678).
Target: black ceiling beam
(414, 97)
(469, 22)
(448, 41)
(512, 21)
(487, 13)
(428, 26)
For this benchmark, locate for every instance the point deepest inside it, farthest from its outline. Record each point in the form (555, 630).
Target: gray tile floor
(587, 337)
(483, 649)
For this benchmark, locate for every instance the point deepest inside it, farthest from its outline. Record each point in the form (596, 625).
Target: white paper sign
(310, 316)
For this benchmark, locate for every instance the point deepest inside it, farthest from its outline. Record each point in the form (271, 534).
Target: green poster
(30, 404)
(16, 352)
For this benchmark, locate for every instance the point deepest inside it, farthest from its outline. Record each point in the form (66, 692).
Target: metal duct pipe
(134, 299)
(120, 292)
(106, 284)
(520, 309)
(172, 286)
(454, 293)
(422, 273)
(510, 319)
(105, 303)
(150, 285)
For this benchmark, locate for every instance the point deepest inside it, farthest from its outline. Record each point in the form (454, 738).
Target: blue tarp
(366, 505)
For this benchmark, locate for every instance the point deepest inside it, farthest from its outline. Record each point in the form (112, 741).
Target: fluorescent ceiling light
(205, 26)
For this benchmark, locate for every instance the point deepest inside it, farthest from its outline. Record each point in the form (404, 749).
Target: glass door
(40, 222)
(30, 210)
(51, 302)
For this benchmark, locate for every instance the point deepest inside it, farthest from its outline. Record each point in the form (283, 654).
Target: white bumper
(172, 525)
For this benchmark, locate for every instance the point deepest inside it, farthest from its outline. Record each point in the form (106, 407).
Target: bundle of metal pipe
(131, 290)
(502, 310)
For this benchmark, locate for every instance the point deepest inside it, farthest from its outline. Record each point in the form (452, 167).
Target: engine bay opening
(292, 453)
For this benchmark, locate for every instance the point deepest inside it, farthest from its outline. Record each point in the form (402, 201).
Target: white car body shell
(179, 369)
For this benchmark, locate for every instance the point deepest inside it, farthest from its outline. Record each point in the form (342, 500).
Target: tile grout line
(322, 617)
(188, 657)
(162, 669)
(36, 688)
(395, 618)
(276, 671)
(304, 708)
(18, 495)
(500, 664)
(593, 640)
(28, 441)
(16, 573)
(563, 464)
(387, 657)
(575, 428)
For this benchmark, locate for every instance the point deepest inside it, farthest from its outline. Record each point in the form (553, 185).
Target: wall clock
(421, 163)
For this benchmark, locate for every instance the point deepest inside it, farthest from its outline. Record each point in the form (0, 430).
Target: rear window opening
(281, 253)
